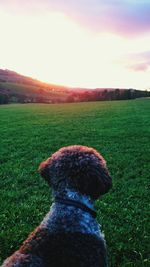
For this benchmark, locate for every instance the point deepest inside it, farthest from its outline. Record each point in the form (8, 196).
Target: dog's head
(81, 168)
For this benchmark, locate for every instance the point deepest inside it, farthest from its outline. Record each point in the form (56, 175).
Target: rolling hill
(19, 88)
(16, 88)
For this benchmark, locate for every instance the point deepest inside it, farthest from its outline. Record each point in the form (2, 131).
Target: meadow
(119, 130)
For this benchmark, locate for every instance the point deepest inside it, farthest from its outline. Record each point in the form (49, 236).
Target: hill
(16, 88)
(19, 88)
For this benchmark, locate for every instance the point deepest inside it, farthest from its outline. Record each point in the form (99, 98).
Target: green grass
(120, 130)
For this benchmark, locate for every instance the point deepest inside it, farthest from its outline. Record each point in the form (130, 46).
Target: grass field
(120, 130)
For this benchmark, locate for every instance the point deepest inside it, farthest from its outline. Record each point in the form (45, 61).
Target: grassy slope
(31, 90)
(19, 88)
(119, 130)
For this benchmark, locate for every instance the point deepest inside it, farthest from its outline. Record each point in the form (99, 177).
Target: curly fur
(68, 236)
(82, 168)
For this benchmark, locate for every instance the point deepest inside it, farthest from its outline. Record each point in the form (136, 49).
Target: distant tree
(70, 99)
(104, 94)
(4, 99)
(117, 94)
(21, 98)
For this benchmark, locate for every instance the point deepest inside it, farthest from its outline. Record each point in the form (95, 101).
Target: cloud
(140, 66)
(126, 17)
(139, 61)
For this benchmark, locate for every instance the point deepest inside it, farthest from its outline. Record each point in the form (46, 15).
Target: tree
(4, 99)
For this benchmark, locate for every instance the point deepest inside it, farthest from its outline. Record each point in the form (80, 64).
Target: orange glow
(55, 49)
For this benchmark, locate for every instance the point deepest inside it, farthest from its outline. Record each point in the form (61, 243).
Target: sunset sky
(86, 43)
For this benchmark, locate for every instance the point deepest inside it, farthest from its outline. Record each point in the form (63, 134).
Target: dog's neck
(76, 219)
(70, 194)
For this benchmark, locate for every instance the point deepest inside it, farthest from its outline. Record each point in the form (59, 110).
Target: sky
(85, 43)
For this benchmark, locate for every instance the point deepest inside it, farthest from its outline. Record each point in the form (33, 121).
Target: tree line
(74, 96)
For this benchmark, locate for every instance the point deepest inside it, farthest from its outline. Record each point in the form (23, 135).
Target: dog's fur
(68, 236)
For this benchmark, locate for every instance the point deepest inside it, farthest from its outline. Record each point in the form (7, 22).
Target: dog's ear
(95, 183)
(103, 183)
(44, 170)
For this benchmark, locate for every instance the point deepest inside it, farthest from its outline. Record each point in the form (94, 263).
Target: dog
(69, 235)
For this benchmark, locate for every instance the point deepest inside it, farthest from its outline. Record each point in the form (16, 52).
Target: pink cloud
(122, 17)
(139, 61)
(140, 66)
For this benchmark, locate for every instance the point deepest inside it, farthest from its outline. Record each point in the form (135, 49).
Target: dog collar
(77, 204)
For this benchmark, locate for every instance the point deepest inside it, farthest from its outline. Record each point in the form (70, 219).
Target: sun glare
(55, 49)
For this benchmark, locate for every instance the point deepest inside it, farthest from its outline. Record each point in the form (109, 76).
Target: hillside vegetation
(16, 88)
(120, 130)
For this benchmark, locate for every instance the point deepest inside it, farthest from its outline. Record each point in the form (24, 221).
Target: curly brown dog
(69, 235)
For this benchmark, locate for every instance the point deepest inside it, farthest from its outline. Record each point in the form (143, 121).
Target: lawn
(119, 130)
